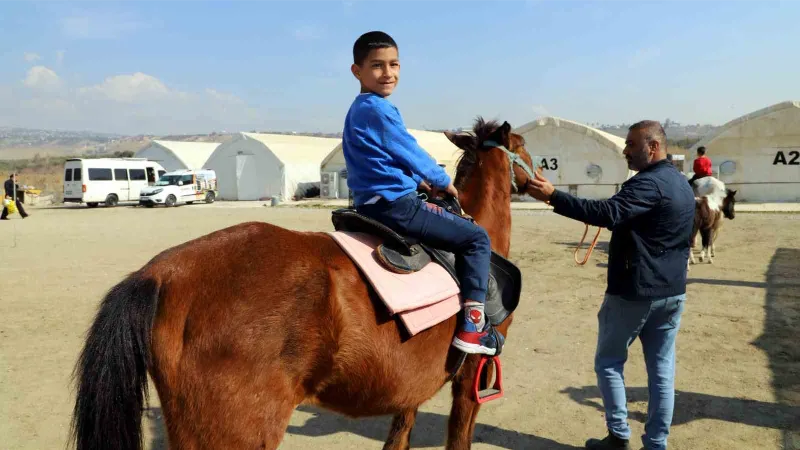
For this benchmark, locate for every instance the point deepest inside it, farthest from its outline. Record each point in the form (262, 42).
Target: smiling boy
(386, 166)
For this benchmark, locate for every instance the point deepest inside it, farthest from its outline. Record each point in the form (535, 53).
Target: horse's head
(728, 204)
(492, 148)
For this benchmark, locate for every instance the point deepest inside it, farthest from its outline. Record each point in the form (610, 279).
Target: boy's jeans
(655, 323)
(410, 216)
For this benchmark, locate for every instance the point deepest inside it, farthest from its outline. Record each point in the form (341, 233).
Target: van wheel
(112, 200)
(170, 201)
(210, 197)
(92, 204)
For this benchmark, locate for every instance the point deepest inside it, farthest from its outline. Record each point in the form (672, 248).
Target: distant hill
(25, 143)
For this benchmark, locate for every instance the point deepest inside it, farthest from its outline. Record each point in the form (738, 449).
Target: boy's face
(380, 71)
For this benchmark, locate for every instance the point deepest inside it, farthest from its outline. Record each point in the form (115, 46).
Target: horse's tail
(111, 371)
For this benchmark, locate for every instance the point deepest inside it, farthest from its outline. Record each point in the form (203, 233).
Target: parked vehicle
(108, 180)
(181, 186)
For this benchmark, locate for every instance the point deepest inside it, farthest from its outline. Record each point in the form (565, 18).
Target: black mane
(481, 131)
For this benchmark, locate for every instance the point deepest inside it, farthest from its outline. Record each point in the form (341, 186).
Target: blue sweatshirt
(382, 157)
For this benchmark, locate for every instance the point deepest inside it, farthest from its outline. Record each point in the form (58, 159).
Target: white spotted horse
(712, 201)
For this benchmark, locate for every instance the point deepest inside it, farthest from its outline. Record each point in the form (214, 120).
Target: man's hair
(701, 151)
(655, 132)
(370, 41)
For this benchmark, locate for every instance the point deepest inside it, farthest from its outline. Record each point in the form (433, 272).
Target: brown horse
(239, 327)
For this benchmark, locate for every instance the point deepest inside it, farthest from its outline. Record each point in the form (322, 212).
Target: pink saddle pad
(422, 299)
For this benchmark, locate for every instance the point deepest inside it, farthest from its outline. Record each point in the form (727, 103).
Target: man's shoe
(610, 442)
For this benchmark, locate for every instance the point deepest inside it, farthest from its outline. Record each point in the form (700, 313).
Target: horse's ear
(503, 134)
(732, 192)
(462, 140)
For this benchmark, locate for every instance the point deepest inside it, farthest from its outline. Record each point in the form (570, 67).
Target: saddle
(404, 255)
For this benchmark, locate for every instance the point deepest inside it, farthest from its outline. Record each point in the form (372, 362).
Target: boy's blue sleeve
(402, 146)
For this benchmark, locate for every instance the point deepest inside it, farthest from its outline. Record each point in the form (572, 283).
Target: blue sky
(196, 67)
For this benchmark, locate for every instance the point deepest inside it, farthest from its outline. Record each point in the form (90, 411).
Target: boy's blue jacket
(382, 157)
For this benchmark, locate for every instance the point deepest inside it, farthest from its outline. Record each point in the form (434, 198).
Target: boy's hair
(370, 41)
(701, 151)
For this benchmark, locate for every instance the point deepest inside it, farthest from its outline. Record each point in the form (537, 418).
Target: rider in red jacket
(702, 165)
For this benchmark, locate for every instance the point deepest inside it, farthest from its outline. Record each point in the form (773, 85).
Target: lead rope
(591, 246)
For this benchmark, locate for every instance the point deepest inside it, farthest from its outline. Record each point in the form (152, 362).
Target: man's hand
(540, 188)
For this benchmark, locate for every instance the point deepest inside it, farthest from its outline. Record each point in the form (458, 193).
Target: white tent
(758, 154)
(254, 166)
(435, 143)
(176, 155)
(575, 157)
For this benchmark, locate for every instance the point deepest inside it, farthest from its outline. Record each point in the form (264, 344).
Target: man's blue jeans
(655, 323)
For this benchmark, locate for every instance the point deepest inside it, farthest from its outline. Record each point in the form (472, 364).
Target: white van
(108, 180)
(181, 186)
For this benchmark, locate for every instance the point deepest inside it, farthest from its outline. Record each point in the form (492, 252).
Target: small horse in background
(714, 202)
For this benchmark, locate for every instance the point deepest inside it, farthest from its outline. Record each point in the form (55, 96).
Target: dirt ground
(738, 363)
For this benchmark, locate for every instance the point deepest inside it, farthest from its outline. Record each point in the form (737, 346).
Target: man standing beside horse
(651, 221)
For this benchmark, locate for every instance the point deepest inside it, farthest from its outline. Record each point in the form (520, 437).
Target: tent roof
(615, 143)
(192, 154)
(745, 118)
(435, 143)
(295, 149)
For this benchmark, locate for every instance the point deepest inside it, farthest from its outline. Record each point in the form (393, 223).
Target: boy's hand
(424, 186)
(450, 189)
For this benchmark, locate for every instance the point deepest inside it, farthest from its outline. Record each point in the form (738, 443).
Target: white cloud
(135, 88)
(97, 25)
(127, 103)
(31, 57)
(40, 77)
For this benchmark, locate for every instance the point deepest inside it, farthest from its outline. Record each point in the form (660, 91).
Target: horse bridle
(514, 159)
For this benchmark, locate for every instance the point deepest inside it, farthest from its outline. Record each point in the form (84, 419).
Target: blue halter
(513, 159)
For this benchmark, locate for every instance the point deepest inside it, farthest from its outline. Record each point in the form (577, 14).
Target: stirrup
(489, 393)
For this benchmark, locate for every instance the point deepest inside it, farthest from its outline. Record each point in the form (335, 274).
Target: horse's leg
(705, 236)
(238, 409)
(400, 433)
(465, 409)
(714, 235)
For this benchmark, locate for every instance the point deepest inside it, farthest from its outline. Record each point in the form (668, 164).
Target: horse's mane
(469, 158)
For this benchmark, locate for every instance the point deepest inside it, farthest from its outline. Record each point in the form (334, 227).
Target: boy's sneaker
(471, 340)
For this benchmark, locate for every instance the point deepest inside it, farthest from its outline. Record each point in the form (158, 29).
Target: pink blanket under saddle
(421, 299)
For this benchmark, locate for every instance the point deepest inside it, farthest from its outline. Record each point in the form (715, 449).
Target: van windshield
(168, 180)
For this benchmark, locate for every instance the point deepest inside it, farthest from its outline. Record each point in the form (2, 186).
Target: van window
(77, 174)
(121, 174)
(68, 175)
(138, 175)
(187, 179)
(100, 174)
(161, 173)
